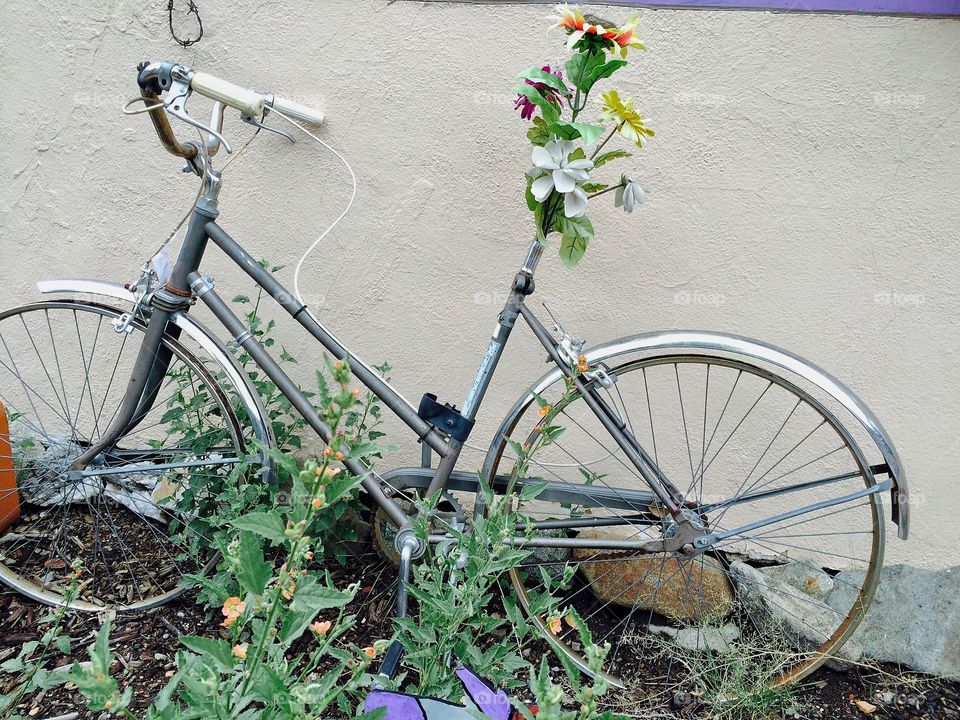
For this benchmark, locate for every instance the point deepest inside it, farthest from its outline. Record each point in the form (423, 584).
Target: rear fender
(681, 341)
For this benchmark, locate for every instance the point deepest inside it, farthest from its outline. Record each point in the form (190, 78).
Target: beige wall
(803, 189)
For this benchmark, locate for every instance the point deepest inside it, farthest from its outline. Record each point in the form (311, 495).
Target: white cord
(313, 245)
(353, 195)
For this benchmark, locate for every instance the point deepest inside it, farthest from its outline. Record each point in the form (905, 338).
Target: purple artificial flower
(526, 107)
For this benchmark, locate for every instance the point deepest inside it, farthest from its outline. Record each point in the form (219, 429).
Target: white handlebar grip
(297, 111)
(246, 101)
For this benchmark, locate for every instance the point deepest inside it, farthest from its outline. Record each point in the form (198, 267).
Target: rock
(551, 559)
(714, 639)
(681, 589)
(914, 619)
(794, 598)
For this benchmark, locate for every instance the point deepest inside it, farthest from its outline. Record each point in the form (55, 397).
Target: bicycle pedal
(391, 660)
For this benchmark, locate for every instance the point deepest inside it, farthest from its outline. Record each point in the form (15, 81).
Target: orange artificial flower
(572, 20)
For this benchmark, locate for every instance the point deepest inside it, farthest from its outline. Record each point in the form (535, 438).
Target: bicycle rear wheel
(135, 517)
(743, 444)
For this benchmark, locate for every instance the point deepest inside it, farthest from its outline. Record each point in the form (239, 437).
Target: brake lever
(176, 105)
(258, 122)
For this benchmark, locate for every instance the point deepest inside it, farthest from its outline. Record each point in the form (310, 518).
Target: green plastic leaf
(214, 649)
(572, 131)
(589, 133)
(539, 133)
(606, 157)
(605, 70)
(528, 196)
(576, 234)
(549, 79)
(265, 524)
(593, 187)
(581, 67)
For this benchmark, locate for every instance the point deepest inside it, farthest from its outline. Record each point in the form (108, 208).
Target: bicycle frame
(187, 285)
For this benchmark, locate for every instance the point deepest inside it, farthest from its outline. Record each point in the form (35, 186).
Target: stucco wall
(803, 189)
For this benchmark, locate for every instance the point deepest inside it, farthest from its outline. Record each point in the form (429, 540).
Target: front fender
(679, 341)
(201, 335)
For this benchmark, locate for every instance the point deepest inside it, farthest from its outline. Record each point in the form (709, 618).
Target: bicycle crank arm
(713, 538)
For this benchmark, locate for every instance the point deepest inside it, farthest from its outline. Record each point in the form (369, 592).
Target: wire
(341, 216)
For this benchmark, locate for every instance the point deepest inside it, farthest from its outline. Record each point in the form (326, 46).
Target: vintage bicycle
(706, 485)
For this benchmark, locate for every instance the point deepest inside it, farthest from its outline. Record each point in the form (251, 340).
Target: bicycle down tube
(187, 284)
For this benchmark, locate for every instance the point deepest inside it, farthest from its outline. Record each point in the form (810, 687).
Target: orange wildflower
(321, 628)
(370, 652)
(240, 651)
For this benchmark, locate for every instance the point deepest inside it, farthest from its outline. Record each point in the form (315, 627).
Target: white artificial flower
(629, 194)
(553, 169)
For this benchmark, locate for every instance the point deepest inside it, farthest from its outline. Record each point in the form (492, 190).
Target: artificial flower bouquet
(567, 149)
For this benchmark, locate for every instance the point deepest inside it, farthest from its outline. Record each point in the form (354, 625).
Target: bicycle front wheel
(746, 447)
(135, 517)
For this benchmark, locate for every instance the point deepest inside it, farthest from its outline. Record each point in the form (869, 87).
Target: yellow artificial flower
(629, 122)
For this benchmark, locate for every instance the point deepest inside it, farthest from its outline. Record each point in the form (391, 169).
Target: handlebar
(163, 77)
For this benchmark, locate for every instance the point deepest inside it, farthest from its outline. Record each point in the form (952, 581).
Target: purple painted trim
(940, 8)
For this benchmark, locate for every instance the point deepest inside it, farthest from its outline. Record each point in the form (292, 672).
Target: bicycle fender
(679, 341)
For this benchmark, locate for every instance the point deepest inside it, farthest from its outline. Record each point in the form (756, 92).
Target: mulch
(145, 646)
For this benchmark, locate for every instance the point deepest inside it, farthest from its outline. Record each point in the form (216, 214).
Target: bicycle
(770, 528)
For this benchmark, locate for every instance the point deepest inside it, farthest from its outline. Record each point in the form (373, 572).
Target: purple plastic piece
(493, 703)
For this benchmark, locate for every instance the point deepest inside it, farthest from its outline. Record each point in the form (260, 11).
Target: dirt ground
(145, 646)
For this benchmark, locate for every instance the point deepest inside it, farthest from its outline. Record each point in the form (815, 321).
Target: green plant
(214, 502)
(279, 659)
(735, 679)
(459, 580)
(549, 696)
(559, 184)
(454, 586)
(31, 660)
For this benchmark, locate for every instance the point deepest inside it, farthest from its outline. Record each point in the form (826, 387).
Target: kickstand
(391, 660)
